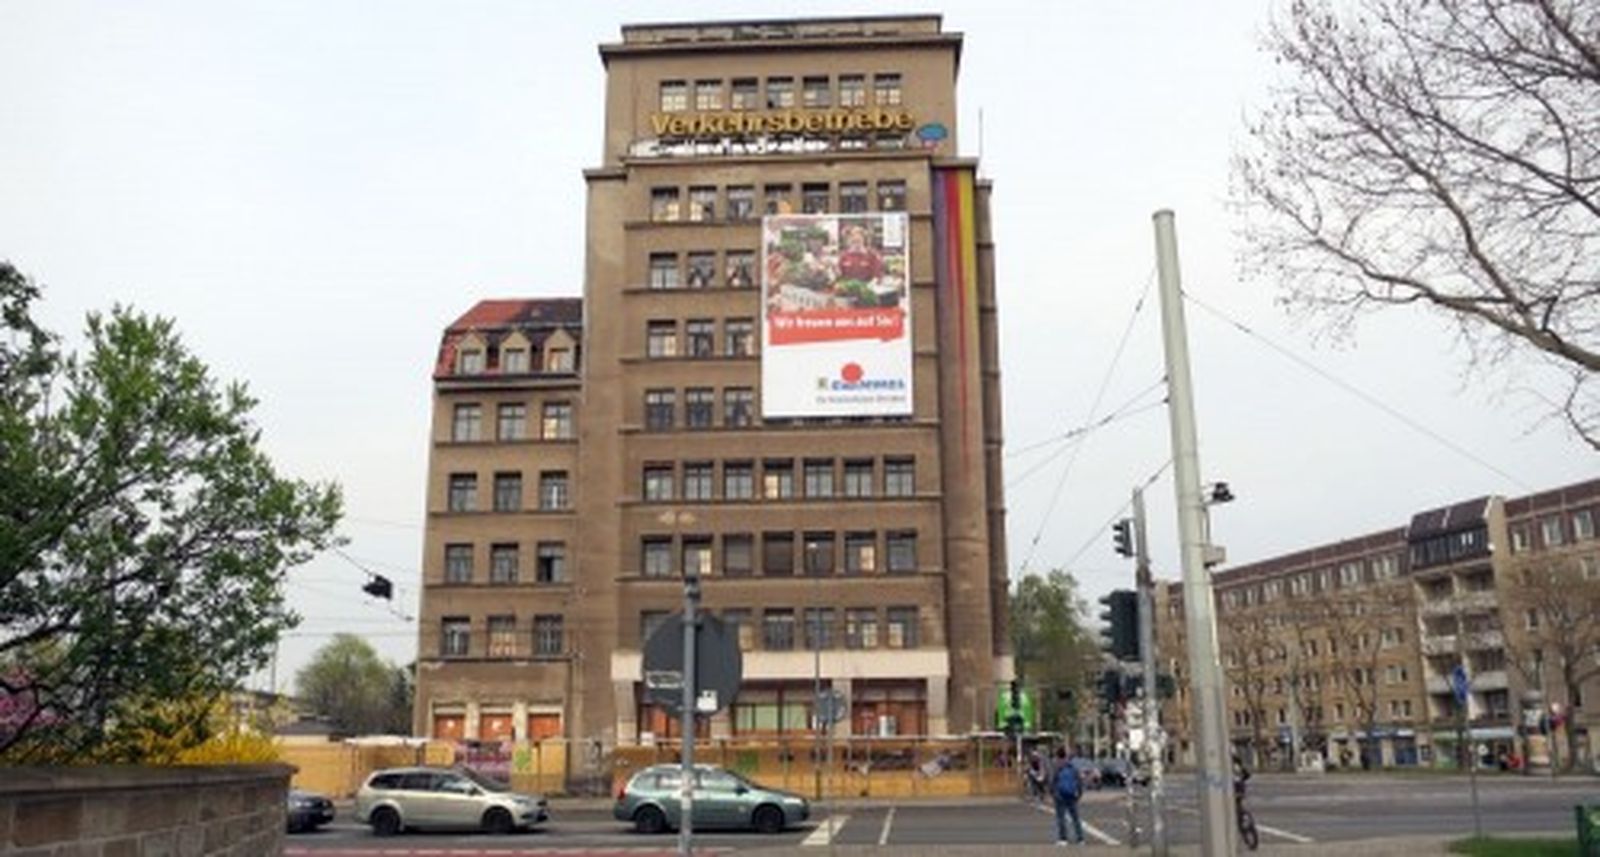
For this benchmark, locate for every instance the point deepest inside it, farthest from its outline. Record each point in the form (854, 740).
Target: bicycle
(1247, 822)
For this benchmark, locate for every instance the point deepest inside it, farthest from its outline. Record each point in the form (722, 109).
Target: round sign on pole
(719, 665)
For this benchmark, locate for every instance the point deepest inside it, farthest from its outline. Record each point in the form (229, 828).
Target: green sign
(1028, 710)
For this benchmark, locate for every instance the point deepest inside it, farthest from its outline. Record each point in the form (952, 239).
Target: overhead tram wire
(1078, 436)
(1094, 407)
(1357, 392)
(1099, 531)
(1100, 423)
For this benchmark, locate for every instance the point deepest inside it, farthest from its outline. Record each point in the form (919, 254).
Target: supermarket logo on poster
(852, 378)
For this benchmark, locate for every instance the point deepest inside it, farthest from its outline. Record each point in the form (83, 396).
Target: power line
(1357, 392)
(1112, 418)
(1085, 429)
(1099, 532)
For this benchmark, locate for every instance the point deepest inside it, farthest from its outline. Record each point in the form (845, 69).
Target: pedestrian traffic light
(1110, 687)
(1121, 632)
(1122, 536)
(379, 587)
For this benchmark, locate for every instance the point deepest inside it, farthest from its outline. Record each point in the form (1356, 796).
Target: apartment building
(785, 382)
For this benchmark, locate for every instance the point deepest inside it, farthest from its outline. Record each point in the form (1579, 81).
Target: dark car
(722, 799)
(308, 811)
(1116, 773)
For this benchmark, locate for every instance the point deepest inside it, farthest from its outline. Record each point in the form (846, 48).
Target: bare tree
(1253, 653)
(1444, 155)
(1355, 620)
(1557, 608)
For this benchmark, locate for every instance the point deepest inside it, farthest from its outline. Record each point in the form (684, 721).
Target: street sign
(830, 707)
(719, 665)
(1460, 684)
(663, 679)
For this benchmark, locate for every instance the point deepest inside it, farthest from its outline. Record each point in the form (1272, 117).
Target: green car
(722, 800)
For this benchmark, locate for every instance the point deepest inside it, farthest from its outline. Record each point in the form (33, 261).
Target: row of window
(1399, 709)
(1349, 574)
(819, 554)
(555, 492)
(1552, 533)
(699, 338)
(700, 203)
(504, 637)
(778, 92)
(511, 422)
(505, 563)
(820, 478)
(783, 629)
(472, 360)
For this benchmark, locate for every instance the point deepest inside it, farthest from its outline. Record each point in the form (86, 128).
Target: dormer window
(558, 360)
(470, 361)
(514, 361)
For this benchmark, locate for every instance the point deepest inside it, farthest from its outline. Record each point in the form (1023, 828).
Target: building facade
(1346, 651)
(786, 382)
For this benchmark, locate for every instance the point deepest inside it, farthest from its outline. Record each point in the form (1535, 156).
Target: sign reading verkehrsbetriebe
(780, 131)
(836, 315)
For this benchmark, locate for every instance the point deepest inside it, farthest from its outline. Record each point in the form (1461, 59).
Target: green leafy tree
(357, 691)
(144, 534)
(1054, 651)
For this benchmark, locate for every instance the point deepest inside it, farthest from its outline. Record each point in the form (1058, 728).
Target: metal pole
(691, 597)
(1147, 648)
(1215, 780)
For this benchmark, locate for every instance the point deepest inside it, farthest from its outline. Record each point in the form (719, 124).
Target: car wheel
(498, 821)
(384, 821)
(768, 819)
(649, 820)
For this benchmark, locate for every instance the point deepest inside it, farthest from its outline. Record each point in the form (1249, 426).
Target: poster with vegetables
(836, 315)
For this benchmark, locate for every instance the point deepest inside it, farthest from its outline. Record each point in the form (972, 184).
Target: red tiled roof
(498, 314)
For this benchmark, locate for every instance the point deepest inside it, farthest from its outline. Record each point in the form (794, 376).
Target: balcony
(1489, 680)
(1459, 604)
(1478, 641)
(1438, 684)
(1443, 644)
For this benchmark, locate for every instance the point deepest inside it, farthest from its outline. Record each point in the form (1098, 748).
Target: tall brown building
(785, 380)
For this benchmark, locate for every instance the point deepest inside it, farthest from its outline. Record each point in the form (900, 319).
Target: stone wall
(116, 811)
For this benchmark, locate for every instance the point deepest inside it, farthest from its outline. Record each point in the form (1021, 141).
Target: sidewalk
(1399, 846)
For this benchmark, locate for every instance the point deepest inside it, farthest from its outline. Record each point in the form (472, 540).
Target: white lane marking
(888, 822)
(1292, 837)
(826, 831)
(1087, 827)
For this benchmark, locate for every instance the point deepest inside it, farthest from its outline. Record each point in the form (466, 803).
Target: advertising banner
(836, 315)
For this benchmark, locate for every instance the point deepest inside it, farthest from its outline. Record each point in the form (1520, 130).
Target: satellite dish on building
(719, 665)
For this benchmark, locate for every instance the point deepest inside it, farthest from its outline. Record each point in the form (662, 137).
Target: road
(1288, 809)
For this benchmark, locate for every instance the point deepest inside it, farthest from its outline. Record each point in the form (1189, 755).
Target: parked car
(399, 799)
(308, 811)
(722, 799)
(1115, 773)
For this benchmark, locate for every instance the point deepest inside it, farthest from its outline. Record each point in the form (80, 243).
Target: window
(553, 490)
(700, 337)
(513, 422)
(902, 630)
(1589, 567)
(650, 621)
(853, 197)
(818, 628)
(738, 480)
(739, 337)
(814, 199)
(741, 269)
(1350, 574)
(861, 628)
(819, 477)
(738, 406)
(738, 555)
(675, 96)
(549, 636)
(741, 202)
(663, 270)
(470, 361)
(703, 203)
(664, 204)
(777, 479)
(503, 563)
(656, 556)
(557, 421)
(660, 409)
(658, 482)
(816, 92)
(899, 477)
(698, 405)
(468, 423)
(1385, 567)
(458, 563)
(1519, 538)
(777, 198)
(697, 481)
(697, 556)
(852, 90)
(777, 630)
(455, 636)
(1550, 531)
(777, 554)
(508, 492)
(708, 95)
(463, 492)
(552, 563)
(661, 339)
(1531, 620)
(745, 94)
(702, 270)
(502, 636)
(514, 361)
(740, 626)
(902, 551)
(558, 360)
(819, 553)
(858, 478)
(780, 93)
(860, 553)
(885, 90)
(892, 196)
(1582, 525)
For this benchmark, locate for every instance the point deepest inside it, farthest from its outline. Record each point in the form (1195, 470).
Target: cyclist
(1246, 821)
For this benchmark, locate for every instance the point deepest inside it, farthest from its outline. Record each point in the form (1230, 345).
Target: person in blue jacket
(1067, 788)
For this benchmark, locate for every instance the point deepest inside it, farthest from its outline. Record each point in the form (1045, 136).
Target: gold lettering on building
(791, 121)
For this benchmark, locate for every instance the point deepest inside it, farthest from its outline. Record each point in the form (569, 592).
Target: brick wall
(116, 811)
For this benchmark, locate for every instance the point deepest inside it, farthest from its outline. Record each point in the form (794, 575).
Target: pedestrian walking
(1067, 788)
(1038, 777)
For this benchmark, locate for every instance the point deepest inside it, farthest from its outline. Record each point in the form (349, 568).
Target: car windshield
(483, 781)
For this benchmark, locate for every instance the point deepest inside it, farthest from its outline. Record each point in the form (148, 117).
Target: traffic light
(1122, 536)
(379, 587)
(1110, 690)
(1014, 720)
(1121, 633)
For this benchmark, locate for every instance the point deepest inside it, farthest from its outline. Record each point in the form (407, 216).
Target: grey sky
(313, 190)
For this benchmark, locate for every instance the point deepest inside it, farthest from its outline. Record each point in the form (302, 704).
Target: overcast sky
(314, 189)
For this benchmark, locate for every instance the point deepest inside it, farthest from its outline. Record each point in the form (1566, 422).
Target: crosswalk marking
(1087, 827)
(826, 831)
(1292, 837)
